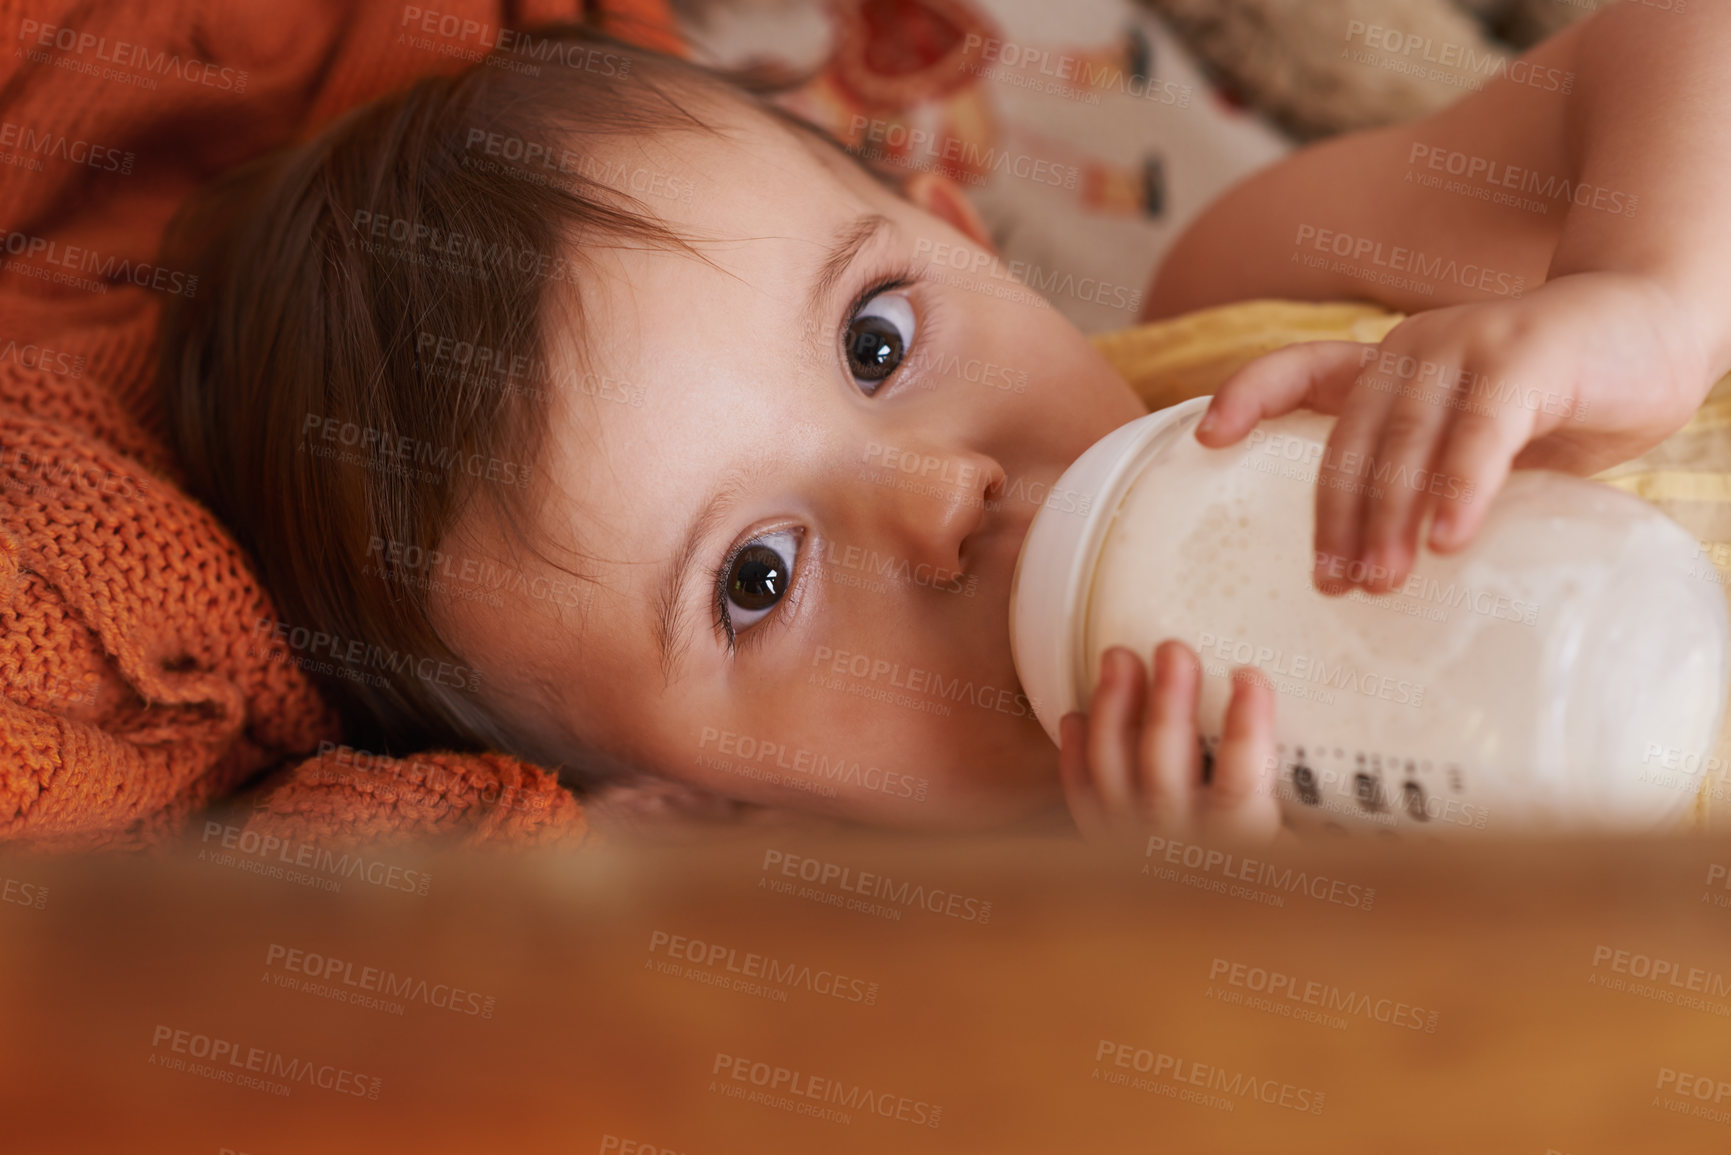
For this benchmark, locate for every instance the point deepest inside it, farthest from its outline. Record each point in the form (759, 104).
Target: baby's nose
(931, 500)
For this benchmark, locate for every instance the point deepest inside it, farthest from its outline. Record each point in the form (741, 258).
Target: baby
(587, 397)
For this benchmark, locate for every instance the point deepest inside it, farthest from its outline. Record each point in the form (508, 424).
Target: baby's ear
(944, 199)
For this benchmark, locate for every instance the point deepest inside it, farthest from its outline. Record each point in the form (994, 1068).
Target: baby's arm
(1263, 237)
(1648, 118)
(1617, 321)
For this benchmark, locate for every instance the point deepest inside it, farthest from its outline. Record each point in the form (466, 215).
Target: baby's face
(854, 437)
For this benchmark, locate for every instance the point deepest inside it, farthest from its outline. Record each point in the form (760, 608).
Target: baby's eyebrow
(853, 237)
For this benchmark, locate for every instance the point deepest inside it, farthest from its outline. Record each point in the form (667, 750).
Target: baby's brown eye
(878, 337)
(758, 577)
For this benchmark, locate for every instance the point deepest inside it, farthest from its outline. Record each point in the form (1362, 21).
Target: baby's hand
(1589, 370)
(1132, 766)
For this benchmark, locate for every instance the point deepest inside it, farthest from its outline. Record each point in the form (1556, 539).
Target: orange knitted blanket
(138, 688)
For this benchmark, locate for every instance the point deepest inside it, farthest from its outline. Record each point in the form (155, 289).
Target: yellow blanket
(1687, 476)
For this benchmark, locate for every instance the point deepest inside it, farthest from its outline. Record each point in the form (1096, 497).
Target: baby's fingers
(1132, 765)
(1474, 464)
(1392, 490)
(1239, 802)
(1079, 794)
(1315, 374)
(1171, 759)
(1097, 750)
(1113, 721)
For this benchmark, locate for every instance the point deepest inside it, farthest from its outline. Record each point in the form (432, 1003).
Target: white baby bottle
(1553, 674)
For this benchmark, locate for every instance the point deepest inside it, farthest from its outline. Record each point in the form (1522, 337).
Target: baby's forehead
(758, 208)
(733, 155)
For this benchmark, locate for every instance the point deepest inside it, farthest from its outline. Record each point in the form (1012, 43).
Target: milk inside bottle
(1542, 677)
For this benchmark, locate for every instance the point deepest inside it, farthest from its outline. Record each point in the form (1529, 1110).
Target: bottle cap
(1055, 568)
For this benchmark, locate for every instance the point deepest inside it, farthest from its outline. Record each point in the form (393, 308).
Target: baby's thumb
(1316, 375)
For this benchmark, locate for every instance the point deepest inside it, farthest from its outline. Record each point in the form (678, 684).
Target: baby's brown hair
(350, 379)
